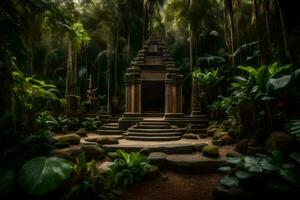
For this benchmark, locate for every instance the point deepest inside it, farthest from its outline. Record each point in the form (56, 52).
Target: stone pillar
(196, 108)
(179, 98)
(173, 98)
(137, 97)
(128, 97)
(132, 113)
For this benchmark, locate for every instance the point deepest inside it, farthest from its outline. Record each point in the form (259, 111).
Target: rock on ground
(70, 138)
(157, 158)
(70, 153)
(104, 167)
(211, 151)
(93, 152)
(82, 132)
(280, 141)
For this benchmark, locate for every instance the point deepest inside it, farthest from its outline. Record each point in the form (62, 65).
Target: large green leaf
(249, 69)
(289, 174)
(276, 84)
(243, 174)
(262, 78)
(42, 175)
(295, 156)
(252, 164)
(233, 160)
(230, 181)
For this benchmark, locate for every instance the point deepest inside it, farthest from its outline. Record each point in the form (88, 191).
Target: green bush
(277, 172)
(128, 168)
(88, 183)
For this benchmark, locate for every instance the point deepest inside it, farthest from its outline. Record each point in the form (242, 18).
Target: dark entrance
(153, 97)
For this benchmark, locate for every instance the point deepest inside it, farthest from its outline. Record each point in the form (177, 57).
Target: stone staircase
(154, 131)
(110, 129)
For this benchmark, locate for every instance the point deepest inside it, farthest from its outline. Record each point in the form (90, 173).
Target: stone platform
(184, 155)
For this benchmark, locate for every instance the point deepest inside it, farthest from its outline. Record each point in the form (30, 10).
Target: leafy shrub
(29, 90)
(128, 168)
(208, 78)
(88, 183)
(91, 123)
(293, 128)
(276, 172)
(42, 119)
(57, 124)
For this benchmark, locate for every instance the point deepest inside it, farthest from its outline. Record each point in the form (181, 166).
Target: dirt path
(175, 187)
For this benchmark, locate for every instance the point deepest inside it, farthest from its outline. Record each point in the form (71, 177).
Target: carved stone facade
(153, 85)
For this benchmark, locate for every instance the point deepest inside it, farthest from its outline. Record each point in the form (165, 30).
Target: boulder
(145, 151)
(231, 133)
(280, 141)
(226, 139)
(190, 136)
(93, 152)
(107, 140)
(104, 167)
(70, 153)
(61, 145)
(81, 132)
(242, 146)
(102, 140)
(199, 146)
(152, 172)
(219, 134)
(211, 151)
(217, 142)
(157, 158)
(70, 138)
(194, 163)
(211, 131)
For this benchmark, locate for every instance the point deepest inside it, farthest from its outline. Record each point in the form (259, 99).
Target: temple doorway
(153, 98)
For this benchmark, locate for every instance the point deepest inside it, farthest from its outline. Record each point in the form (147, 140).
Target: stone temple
(153, 101)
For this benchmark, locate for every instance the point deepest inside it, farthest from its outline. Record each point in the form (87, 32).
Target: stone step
(110, 127)
(112, 124)
(109, 132)
(152, 134)
(157, 130)
(199, 131)
(154, 126)
(158, 122)
(151, 138)
(169, 148)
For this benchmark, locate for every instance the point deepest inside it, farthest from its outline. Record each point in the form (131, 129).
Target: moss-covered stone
(61, 145)
(219, 134)
(198, 147)
(93, 152)
(226, 139)
(211, 131)
(211, 151)
(81, 132)
(107, 140)
(70, 138)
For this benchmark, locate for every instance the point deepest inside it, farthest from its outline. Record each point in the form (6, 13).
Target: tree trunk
(287, 52)
(232, 36)
(108, 76)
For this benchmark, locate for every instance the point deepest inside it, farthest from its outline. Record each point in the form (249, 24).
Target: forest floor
(173, 186)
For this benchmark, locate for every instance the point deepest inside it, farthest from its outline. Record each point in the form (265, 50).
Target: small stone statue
(91, 97)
